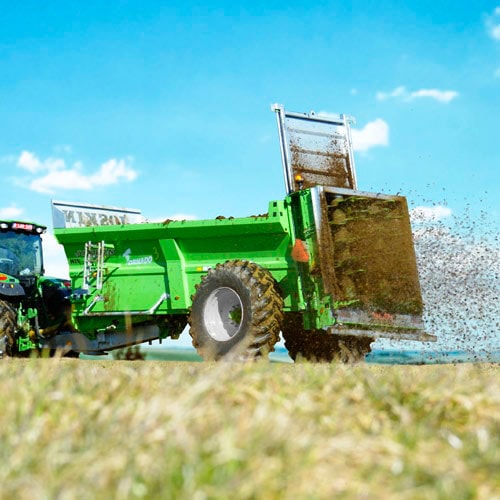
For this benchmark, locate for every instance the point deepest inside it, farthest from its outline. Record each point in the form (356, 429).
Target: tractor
(32, 306)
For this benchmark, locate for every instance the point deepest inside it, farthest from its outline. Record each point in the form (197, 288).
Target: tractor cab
(21, 249)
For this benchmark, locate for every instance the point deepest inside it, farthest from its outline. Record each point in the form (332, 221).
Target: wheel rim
(223, 314)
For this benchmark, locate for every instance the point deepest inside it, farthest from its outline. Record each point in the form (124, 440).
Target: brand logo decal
(148, 259)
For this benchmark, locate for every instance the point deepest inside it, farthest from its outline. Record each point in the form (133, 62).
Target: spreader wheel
(237, 312)
(322, 347)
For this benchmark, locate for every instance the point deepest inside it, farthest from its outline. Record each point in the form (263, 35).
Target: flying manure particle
(458, 258)
(459, 265)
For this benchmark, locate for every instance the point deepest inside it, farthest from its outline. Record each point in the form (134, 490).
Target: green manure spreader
(328, 268)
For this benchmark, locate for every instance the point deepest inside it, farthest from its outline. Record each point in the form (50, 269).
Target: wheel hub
(223, 314)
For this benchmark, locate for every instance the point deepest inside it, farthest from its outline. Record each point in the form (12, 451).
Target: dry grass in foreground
(103, 429)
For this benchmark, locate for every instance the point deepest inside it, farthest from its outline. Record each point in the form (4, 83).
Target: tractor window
(20, 253)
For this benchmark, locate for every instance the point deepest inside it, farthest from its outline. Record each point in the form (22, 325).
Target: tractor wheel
(321, 347)
(237, 312)
(8, 322)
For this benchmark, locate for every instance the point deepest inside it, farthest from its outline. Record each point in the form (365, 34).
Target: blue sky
(165, 106)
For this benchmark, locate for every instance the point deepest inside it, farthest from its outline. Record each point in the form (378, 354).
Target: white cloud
(52, 174)
(428, 214)
(29, 161)
(55, 262)
(66, 179)
(375, 133)
(11, 212)
(493, 24)
(53, 164)
(438, 95)
(404, 94)
(112, 171)
(397, 92)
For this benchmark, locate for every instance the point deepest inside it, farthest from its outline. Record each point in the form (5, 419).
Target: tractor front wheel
(8, 321)
(237, 312)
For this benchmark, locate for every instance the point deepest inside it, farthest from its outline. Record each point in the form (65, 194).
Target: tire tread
(266, 304)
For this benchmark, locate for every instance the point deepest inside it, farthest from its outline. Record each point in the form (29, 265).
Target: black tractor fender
(11, 290)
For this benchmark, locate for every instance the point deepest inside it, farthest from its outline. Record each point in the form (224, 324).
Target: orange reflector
(299, 252)
(3, 277)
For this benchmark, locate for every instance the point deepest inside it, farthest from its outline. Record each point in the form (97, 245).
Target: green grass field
(117, 429)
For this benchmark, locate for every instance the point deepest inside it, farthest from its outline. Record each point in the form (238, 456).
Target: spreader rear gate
(367, 259)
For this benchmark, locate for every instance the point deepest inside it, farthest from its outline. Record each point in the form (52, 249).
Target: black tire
(237, 312)
(8, 325)
(322, 347)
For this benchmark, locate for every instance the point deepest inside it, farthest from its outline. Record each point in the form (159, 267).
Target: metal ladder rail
(93, 264)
